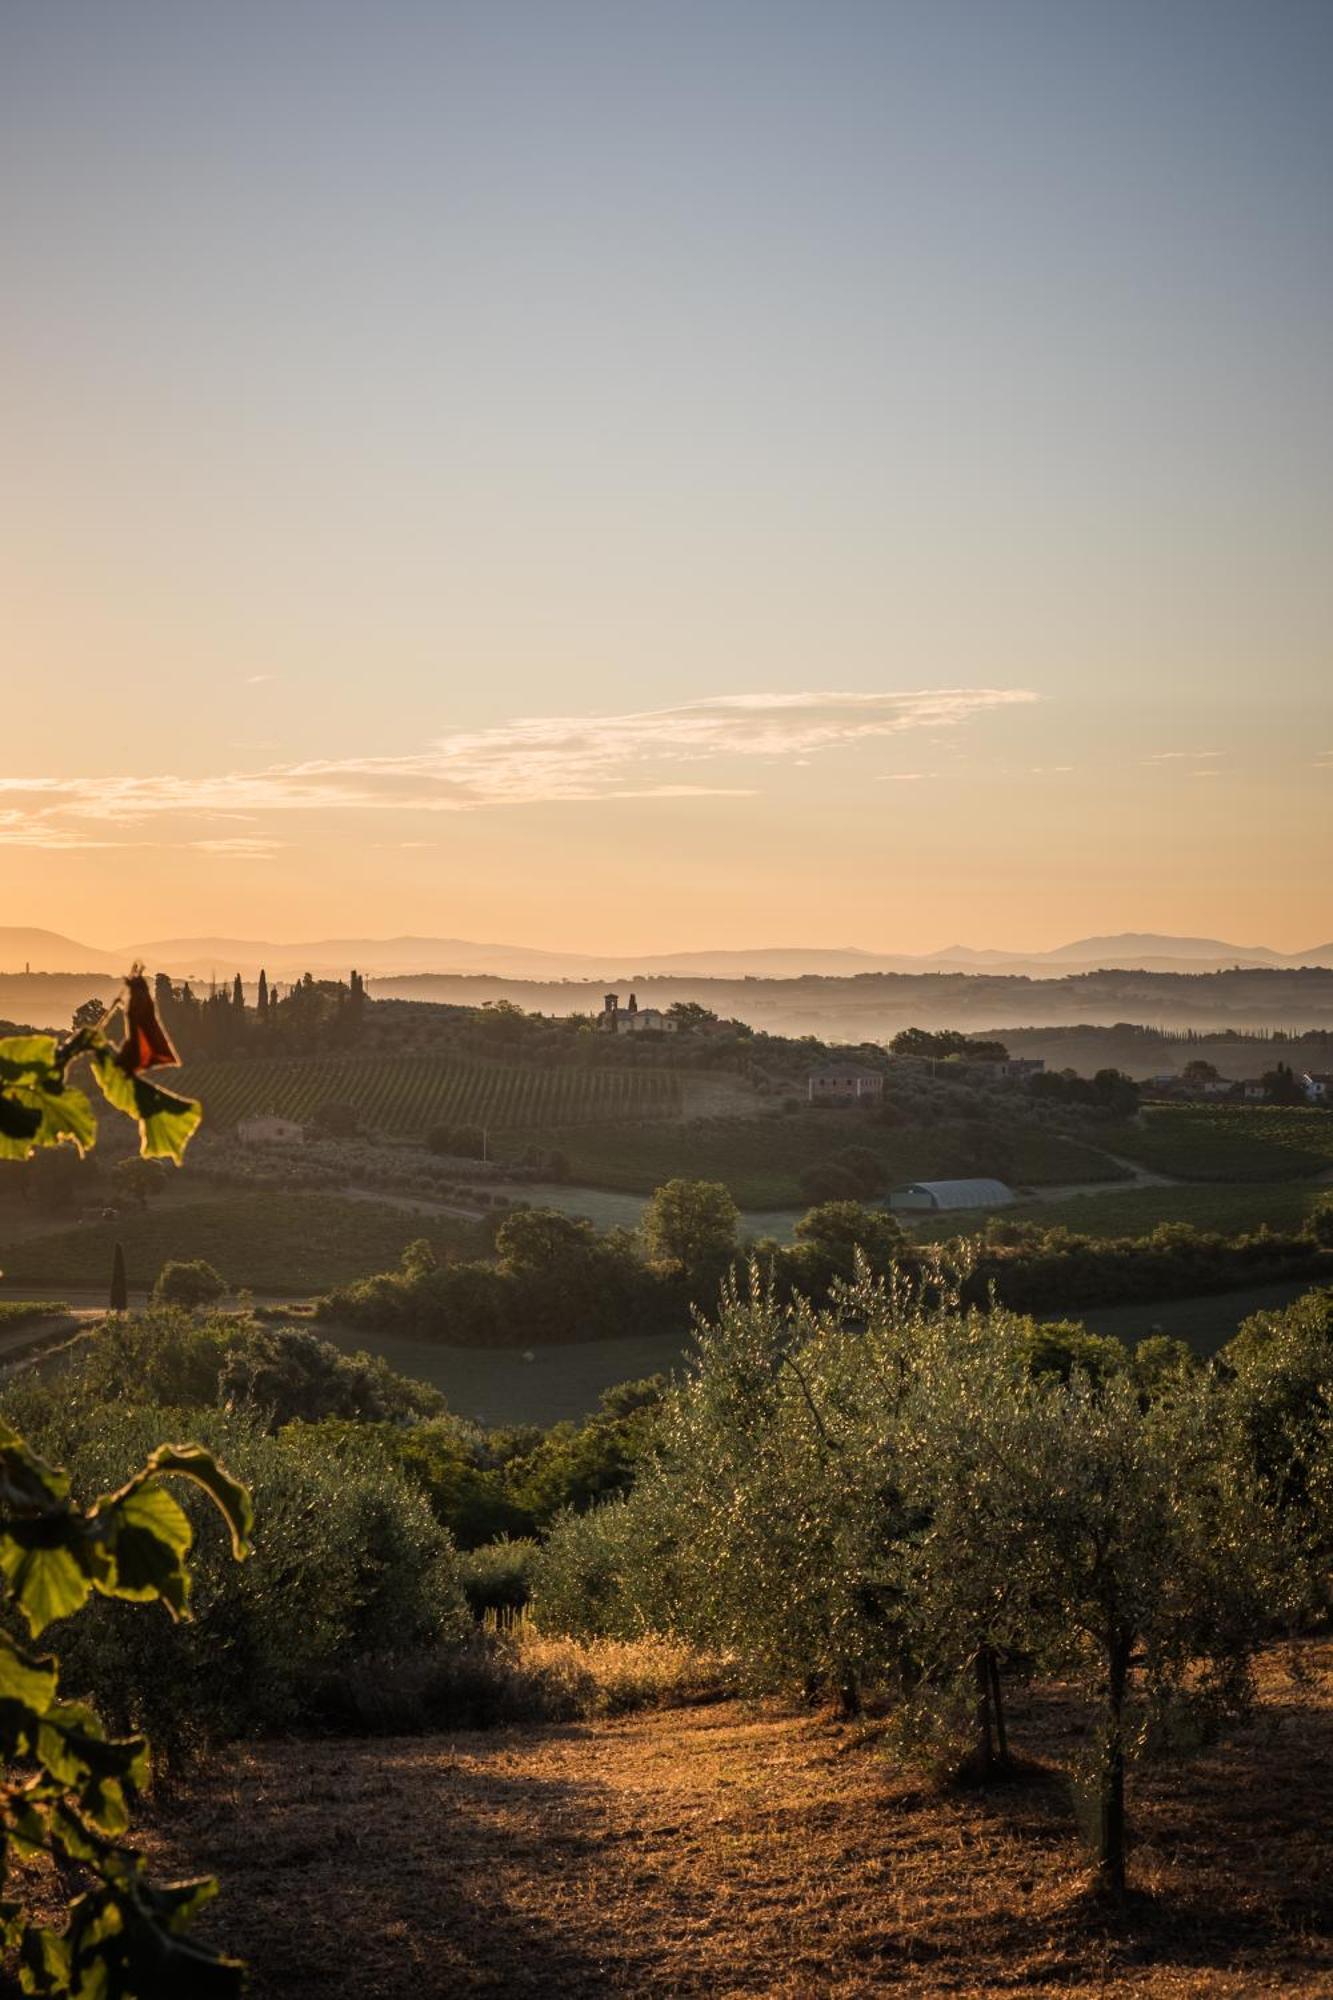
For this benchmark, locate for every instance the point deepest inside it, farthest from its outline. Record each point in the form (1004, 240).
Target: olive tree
(968, 1584)
(779, 1455)
(1150, 1551)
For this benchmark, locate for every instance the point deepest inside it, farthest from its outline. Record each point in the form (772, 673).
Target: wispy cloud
(34, 829)
(239, 848)
(1181, 756)
(530, 760)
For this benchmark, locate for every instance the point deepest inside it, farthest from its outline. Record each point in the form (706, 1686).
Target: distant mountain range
(23, 950)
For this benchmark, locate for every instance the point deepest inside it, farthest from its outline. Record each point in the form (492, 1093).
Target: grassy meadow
(1228, 1208)
(262, 1241)
(1204, 1324)
(560, 1383)
(498, 1386)
(761, 1159)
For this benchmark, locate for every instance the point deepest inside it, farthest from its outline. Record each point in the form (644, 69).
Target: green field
(16, 1313)
(407, 1094)
(1229, 1142)
(565, 1381)
(1230, 1210)
(497, 1386)
(1206, 1324)
(761, 1159)
(263, 1242)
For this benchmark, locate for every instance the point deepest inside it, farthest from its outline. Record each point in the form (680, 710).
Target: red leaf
(147, 1044)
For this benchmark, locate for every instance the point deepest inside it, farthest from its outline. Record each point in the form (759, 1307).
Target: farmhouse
(634, 1019)
(931, 1196)
(844, 1083)
(270, 1130)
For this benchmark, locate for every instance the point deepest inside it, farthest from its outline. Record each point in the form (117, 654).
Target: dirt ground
(735, 1850)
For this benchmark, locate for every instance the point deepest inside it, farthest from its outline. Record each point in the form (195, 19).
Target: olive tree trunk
(1111, 1815)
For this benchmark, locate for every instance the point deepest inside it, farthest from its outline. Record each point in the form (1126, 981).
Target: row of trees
(311, 1016)
(895, 1500)
(556, 1278)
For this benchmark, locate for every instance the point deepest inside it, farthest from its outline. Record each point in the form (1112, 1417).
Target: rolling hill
(24, 948)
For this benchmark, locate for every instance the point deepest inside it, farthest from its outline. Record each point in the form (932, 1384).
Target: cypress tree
(120, 1291)
(261, 997)
(238, 995)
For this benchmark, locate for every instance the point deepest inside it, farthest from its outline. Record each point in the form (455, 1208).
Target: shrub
(188, 1282)
(172, 1358)
(348, 1564)
(606, 1574)
(498, 1577)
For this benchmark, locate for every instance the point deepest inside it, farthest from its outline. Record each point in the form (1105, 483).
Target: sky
(647, 475)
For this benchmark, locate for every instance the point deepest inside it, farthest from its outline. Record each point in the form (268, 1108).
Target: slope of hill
(1132, 948)
(197, 957)
(24, 949)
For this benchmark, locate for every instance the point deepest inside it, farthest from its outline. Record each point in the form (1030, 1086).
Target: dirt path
(1135, 1176)
(414, 1204)
(725, 1851)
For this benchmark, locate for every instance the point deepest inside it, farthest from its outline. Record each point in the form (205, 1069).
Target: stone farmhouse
(845, 1083)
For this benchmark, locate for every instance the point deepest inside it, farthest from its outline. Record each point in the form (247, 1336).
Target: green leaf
(72, 1837)
(146, 1536)
(27, 1058)
(27, 1483)
(166, 1122)
(47, 1582)
(37, 1107)
(20, 1122)
(193, 1462)
(75, 1749)
(45, 1963)
(29, 1683)
(176, 1904)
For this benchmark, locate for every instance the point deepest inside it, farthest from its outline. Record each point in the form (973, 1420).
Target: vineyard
(1230, 1142)
(407, 1094)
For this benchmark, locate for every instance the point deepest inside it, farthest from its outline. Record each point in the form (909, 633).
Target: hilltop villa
(633, 1019)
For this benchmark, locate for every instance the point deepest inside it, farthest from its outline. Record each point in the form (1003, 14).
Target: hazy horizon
(638, 479)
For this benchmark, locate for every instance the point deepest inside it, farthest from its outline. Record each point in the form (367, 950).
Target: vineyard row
(412, 1093)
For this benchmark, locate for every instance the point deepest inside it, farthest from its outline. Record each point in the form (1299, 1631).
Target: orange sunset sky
(632, 477)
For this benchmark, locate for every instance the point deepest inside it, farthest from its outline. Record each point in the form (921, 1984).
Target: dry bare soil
(731, 1850)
